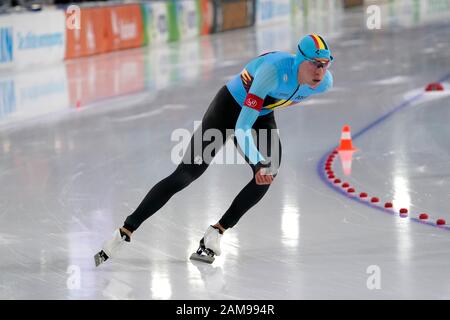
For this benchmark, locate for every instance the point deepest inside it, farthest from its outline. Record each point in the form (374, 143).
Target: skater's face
(312, 72)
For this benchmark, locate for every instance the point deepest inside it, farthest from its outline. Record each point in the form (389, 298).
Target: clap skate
(111, 247)
(209, 246)
(203, 254)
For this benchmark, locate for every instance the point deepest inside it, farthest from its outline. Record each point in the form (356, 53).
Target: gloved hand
(264, 173)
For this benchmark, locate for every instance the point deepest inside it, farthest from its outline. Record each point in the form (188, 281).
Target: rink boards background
(33, 81)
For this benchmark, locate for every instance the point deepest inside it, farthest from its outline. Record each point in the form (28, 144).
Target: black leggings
(222, 114)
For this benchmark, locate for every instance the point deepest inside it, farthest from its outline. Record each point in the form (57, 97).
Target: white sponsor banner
(272, 11)
(38, 37)
(157, 22)
(6, 41)
(187, 18)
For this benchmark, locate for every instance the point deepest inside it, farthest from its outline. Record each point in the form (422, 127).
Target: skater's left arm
(265, 80)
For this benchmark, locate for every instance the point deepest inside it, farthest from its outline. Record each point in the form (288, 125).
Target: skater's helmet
(312, 46)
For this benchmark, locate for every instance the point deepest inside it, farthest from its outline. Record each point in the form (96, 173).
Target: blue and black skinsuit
(247, 102)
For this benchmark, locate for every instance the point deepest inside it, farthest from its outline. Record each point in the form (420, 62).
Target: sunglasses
(316, 63)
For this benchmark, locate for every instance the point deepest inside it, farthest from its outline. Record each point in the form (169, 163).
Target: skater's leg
(210, 243)
(162, 192)
(194, 163)
(222, 112)
(252, 193)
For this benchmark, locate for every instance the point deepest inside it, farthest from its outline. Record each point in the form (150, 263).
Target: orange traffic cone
(346, 150)
(346, 140)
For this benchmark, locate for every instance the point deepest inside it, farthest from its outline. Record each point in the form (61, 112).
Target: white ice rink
(75, 161)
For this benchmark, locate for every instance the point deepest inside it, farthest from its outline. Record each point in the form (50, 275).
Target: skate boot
(209, 246)
(111, 247)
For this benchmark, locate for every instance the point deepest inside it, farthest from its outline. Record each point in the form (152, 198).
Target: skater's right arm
(264, 81)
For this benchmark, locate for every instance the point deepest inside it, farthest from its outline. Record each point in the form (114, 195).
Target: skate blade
(202, 258)
(99, 258)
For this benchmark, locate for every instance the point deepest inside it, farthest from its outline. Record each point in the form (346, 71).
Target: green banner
(174, 32)
(145, 24)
